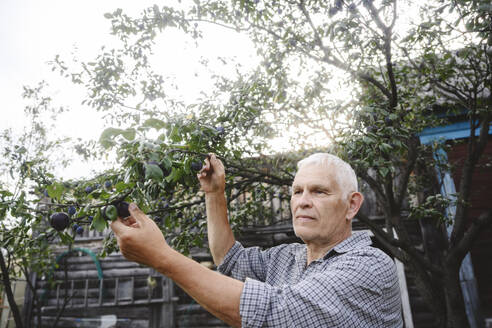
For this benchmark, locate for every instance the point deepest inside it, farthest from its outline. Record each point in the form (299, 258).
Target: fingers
(129, 221)
(207, 168)
(118, 227)
(137, 214)
(215, 163)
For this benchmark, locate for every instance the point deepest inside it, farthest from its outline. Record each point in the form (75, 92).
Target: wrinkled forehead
(316, 174)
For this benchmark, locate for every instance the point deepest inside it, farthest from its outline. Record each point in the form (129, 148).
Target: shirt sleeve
(241, 263)
(342, 297)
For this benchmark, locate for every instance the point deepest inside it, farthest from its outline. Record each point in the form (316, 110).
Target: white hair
(345, 175)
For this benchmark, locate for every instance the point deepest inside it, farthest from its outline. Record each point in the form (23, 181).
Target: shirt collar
(356, 240)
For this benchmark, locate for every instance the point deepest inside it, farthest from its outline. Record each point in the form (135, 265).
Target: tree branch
(408, 169)
(387, 32)
(401, 250)
(458, 252)
(8, 290)
(332, 61)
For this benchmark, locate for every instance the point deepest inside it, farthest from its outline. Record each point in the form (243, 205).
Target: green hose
(83, 250)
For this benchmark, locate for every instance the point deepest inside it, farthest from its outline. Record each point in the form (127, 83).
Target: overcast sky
(32, 32)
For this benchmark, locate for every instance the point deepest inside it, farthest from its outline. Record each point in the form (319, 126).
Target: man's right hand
(212, 181)
(212, 175)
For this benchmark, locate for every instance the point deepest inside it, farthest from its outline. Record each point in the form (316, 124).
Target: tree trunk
(455, 304)
(8, 290)
(432, 292)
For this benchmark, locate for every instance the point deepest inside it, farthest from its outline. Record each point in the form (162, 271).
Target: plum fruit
(196, 166)
(80, 230)
(122, 209)
(72, 210)
(220, 130)
(59, 221)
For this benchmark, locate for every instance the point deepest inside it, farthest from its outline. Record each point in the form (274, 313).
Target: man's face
(319, 208)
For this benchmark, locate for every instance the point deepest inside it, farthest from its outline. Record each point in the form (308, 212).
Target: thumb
(137, 213)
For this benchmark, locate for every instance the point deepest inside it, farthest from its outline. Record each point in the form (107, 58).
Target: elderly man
(334, 279)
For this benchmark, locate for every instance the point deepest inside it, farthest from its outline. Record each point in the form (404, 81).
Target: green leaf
(154, 123)
(153, 172)
(175, 137)
(106, 138)
(167, 163)
(98, 223)
(120, 186)
(108, 135)
(104, 195)
(5, 193)
(108, 16)
(65, 238)
(128, 134)
(55, 190)
(175, 175)
(384, 171)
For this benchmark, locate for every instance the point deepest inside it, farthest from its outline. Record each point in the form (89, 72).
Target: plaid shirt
(353, 285)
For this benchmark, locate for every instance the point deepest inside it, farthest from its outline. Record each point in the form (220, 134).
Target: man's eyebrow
(319, 187)
(314, 186)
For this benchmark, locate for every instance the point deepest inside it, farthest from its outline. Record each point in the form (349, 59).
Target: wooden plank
(405, 299)
(149, 293)
(101, 286)
(106, 304)
(139, 292)
(167, 319)
(116, 285)
(93, 274)
(71, 291)
(133, 290)
(27, 310)
(86, 290)
(58, 296)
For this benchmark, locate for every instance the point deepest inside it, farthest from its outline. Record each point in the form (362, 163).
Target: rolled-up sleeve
(241, 263)
(255, 303)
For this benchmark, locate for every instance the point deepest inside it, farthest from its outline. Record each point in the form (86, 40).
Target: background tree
(28, 161)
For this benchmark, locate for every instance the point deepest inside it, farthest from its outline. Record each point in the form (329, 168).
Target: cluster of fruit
(61, 220)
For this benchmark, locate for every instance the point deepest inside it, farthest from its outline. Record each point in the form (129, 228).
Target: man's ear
(355, 202)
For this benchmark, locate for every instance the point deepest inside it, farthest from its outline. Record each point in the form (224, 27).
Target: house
(476, 272)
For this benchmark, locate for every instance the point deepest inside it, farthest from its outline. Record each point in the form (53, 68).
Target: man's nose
(305, 200)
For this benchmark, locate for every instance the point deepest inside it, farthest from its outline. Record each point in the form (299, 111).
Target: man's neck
(317, 251)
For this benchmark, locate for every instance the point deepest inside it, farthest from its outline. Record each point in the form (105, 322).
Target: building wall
(480, 201)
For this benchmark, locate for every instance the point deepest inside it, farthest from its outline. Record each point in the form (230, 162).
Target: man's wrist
(217, 193)
(163, 260)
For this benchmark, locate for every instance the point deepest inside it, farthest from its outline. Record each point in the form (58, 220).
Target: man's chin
(304, 233)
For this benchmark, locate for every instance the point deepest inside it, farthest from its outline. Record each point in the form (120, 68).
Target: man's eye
(297, 192)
